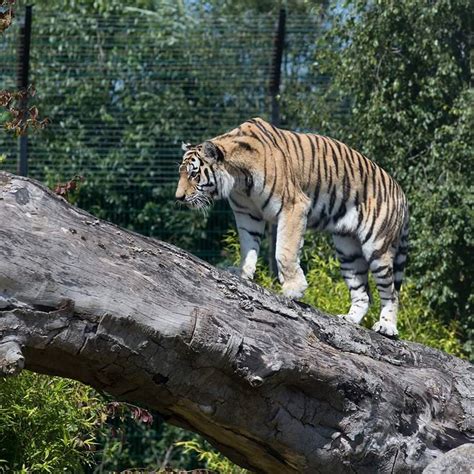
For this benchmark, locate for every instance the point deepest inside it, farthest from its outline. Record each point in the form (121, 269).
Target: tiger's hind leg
(381, 266)
(354, 269)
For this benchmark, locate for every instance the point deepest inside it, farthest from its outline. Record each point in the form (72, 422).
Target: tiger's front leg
(290, 236)
(251, 231)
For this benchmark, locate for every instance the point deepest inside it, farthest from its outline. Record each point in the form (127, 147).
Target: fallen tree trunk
(275, 386)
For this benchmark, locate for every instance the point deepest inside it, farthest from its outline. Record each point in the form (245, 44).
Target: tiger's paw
(386, 328)
(352, 318)
(240, 272)
(294, 289)
(233, 270)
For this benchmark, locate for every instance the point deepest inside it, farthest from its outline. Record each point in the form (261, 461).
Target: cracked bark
(276, 386)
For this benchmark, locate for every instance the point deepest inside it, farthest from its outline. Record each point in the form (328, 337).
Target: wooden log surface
(276, 386)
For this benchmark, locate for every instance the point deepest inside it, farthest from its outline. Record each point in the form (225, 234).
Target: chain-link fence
(123, 91)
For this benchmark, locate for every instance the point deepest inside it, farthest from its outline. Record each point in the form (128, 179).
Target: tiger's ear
(212, 153)
(186, 146)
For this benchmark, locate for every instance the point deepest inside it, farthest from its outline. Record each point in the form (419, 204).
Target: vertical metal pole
(22, 85)
(275, 79)
(277, 59)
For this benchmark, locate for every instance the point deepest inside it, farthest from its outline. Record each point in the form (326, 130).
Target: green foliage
(47, 424)
(213, 460)
(125, 443)
(50, 424)
(401, 70)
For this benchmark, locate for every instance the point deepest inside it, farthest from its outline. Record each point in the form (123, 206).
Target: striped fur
(300, 181)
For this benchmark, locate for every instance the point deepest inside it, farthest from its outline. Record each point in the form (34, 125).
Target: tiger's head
(203, 177)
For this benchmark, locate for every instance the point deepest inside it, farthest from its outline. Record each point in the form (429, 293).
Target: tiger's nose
(180, 196)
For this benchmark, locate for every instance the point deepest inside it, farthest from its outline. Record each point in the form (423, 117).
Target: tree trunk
(276, 386)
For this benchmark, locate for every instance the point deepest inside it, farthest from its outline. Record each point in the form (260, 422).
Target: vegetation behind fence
(123, 91)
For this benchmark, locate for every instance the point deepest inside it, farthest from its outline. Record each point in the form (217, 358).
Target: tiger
(301, 181)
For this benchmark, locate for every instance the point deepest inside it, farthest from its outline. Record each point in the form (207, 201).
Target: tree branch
(276, 386)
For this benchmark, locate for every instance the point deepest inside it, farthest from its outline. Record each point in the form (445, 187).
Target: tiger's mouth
(198, 201)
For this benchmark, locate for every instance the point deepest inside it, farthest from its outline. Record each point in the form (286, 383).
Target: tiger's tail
(400, 259)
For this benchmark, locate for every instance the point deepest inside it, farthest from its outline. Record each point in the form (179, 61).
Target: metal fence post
(22, 85)
(275, 79)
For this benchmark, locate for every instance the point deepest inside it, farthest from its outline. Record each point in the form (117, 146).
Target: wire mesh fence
(123, 91)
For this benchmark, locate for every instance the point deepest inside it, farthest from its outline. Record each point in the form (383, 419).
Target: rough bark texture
(457, 461)
(276, 386)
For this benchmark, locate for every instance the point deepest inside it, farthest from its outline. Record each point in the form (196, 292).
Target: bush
(213, 460)
(52, 424)
(47, 424)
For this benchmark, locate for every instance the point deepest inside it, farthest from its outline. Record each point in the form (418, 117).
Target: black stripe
(360, 159)
(346, 187)
(324, 158)
(349, 258)
(277, 131)
(334, 156)
(298, 139)
(252, 233)
(287, 155)
(399, 267)
(350, 161)
(245, 145)
(346, 269)
(215, 192)
(316, 192)
(376, 254)
(265, 143)
(360, 218)
(322, 219)
(255, 218)
(356, 200)
(270, 136)
(332, 199)
(248, 180)
(340, 213)
(374, 180)
(313, 157)
(267, 134)
(379, 269)
(365, 187)
(370, 232)
(387, 274)
(236, 203)
(384, 185)
(265, 204)
(281, 208)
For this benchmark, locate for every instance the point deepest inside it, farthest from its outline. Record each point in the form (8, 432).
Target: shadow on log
(276, 386)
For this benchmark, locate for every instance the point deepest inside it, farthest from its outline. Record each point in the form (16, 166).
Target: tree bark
(274, 385)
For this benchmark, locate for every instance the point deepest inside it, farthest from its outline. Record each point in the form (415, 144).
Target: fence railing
(123, 91)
